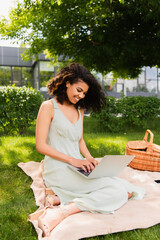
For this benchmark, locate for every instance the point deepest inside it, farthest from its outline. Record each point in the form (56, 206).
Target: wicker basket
(147, 154)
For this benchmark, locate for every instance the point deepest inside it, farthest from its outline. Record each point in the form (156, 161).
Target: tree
(104, 35)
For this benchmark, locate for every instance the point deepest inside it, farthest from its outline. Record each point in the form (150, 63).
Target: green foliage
(107, 35)
(128, 112)
(19, 107)
(108, 116)
(138, 111)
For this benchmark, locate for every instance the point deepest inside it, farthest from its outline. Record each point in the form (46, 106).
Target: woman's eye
(78, 90)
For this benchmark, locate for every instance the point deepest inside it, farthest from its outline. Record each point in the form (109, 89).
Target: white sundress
(103, 195)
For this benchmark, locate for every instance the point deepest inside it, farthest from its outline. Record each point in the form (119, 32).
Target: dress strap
(79, 111)
(55, 103)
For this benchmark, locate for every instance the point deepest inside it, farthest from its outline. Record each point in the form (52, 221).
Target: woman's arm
(83, 148)
(44, 119)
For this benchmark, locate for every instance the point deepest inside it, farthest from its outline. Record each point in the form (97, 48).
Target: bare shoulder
(47, 104)
(47, 107)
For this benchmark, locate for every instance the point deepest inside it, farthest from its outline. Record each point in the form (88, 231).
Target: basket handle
(146, 136)
(150, 146)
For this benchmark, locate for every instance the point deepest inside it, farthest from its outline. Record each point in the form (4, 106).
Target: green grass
(16, 197)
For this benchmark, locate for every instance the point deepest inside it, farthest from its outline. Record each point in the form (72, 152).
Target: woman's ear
(67, 84)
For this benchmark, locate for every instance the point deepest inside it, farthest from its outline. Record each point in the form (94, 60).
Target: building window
(152, 79)
(17, 76)
(36, 75)
(46, 73)
(27, 77)
(5, 76)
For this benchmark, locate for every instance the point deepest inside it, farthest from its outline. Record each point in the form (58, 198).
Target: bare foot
(130, 195)
(51, 217)
(49, 220)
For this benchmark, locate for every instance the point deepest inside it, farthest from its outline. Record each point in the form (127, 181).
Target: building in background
(146, 84)
(13, 70)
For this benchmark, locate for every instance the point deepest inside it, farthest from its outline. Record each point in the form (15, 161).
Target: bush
(109, 116)
(19, 107)
(127, 112)
(139, 111)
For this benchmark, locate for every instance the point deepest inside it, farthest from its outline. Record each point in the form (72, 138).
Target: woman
(59, 136)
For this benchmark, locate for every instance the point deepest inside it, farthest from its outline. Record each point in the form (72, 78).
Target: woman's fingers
(93, 161)
(87, 165)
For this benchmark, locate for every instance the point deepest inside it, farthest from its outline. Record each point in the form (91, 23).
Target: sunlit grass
(17, 149)
(16, 197)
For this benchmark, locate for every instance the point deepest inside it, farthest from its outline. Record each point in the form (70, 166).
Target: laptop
(109, 166)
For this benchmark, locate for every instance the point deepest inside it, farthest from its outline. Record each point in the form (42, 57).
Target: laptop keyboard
(83, 172)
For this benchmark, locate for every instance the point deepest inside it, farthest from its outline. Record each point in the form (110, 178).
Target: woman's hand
(86, 165)
(93, 161)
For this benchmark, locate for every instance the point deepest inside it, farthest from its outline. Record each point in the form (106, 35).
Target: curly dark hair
(95, 98)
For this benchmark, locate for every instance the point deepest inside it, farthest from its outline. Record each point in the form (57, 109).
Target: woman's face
(76, 91)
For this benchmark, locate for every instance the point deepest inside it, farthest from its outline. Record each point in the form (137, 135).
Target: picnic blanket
(134, 214)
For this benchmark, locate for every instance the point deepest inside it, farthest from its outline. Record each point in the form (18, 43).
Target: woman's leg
(53, 216)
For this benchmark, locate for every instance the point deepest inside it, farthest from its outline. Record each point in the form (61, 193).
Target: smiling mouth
(77, 99)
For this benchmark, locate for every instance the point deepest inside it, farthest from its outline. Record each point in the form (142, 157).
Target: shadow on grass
(30, 131)
(16, 203)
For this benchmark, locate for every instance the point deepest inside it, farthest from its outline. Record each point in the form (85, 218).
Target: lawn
(16, 197)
